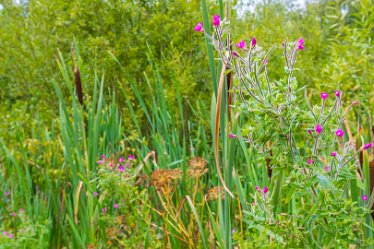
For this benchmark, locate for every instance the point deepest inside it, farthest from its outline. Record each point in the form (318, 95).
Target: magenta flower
(99, 162)
(121, 159)
(234, 53)
(216, 20)
(367, 146)
(103, 210)
(327, 168)
(265, 190)
(103, 157)
(310, 161)
(121, 168)
(337, 93)
(131, 157)
(115, 206)
(241, 44)
(253, 42)
(300, 44)
(324, 95)
(199, 27)
(339, 132)
(364, 197)
(95, 194)
(6, 193)
(232, 135)
(318, 128)
(12, 214)
(257, 188)
(310, 131)
(333, 153)
(10, 236)
(111, 165)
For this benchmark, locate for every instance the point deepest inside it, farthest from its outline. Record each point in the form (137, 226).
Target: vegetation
(136, 126)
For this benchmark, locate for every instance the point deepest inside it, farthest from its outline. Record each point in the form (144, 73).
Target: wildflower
(111, 165)
(318, 128)
(5, 233)
(234, 53)
(232, 135)
(257, 188)
(103, 157)
(131, 157)
(241, 44)
(199, 27)
(21, 211)
(367, 146)
(216, 20)
(99, 162)
(300, 44)
(253, 42)
(121, 159)
(6, 193)
(327, 168)
(103, 210)
(364, 197)
(339, 132)
(265, 190)
(115, 206)
(265, 62)
(337, 93)
(310, 131)
(159, 236)
(12, 214)
(95, 194)
(310, 161)
(121, 168)
(324, 95)
(10, 236)
(333, 153)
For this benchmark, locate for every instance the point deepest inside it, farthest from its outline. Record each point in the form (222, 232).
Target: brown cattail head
(77, 78)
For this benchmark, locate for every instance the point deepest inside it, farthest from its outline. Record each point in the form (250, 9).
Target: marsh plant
(318, 191)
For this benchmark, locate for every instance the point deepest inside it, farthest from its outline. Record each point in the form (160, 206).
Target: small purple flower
(310, 161)
(337, 93)
(300, 44)
(103, 210)
(216, 20)
(266, 61)
(253, 42)
(265, 190)
(367, 146)
(12, 214)
(339, 132)
(102, 157)
(5, 233)
(333, 153)
(257, 188)
(324, 95)
(241, 44)
(121, 168)
(131, 157)
(121, 159)
(310, 131)
(327, 168)
(6, 193)
(95, 194)
(10, 236)
(115, 206)
(318, 128)
(234, 53)
(199, 27)
(159, 236)
(232, 135)
(364, 197)
(99, 162)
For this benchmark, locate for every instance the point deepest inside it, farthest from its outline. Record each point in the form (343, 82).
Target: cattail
(77, 78)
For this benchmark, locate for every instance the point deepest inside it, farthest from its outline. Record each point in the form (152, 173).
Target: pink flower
(300, 44)
(367, 146)
(121, 168)
(318, 128)
(95, 194)
(265, 62)
(121, 160)
(265, 190)
(12, 214)
(216, 20)
(111, 165)
(257, 188)
(333, 153)
(253, 42)
(327, 168)
(99, 162)
(310, 161)
(310, 131)
(5, 233)
(103, 157)
(241, 44)
(324, 95)
(10, 236)
(337, 93)
(103, 210)
(364, 197)
(131, 157)
(339, 132)
(199, 27)
(21, 211)
(115, 206)
(232, 135)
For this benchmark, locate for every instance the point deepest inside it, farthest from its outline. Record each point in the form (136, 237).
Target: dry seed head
(215, 193)
(162, 178)
(196, 167)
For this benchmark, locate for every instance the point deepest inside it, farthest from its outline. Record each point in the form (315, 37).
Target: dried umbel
(197, 167)
(215, 193)
(165, 179)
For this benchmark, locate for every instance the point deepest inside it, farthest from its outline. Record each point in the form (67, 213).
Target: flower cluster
(119, 164)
